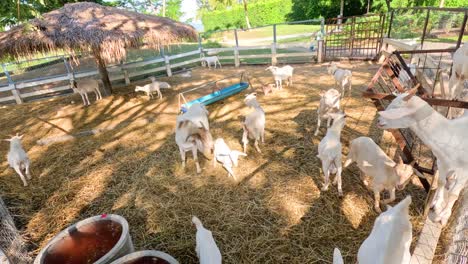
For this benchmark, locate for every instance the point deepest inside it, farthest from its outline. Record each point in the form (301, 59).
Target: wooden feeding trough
(146, 257)
(216, 92)
(384, 85)
(98, 240)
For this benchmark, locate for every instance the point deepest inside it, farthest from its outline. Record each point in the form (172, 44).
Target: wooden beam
(431, 101)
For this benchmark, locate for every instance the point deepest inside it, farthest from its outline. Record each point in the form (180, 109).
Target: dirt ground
(276, 213)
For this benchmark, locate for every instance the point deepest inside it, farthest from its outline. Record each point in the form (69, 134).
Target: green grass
(450, 39)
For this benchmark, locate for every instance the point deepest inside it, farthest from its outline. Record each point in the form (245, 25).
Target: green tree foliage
(262, 12)
(307, 9)
(173, 9)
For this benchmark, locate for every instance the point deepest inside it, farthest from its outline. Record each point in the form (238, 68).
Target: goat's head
(332, 68)
(404, 173)
(15, 139)
(271, 68)
(152, 78)
(251, 100)
(139, 88)
(206, 140)
(339, 120)
(401, 112)
(331, 97)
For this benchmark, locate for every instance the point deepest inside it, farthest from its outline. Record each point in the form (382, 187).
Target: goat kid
(211, 60)
(226, 156)
(342, 77)
(280, 74)
(329, 152)
(254, 124)
(329, 104)
(84, 86)
(18, 158)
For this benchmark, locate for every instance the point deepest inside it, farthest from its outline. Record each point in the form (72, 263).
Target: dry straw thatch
(91, 27)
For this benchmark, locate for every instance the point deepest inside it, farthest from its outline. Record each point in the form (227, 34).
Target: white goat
(337, 258)
(390, 239)
(84, 86)
(459, 72)
(161, 85)
(342, 77)
(329, 103)
(226, 156)
(254, 124)
(186, 74)
(18, 158)
(329, 152)
(211, 60)
(193, 133)
(149, 89)
(373, 162)
(445, 137)
(280, 74)
(207, 250)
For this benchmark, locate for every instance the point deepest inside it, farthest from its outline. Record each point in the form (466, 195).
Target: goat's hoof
(325, 188)
(340, 194)
(25, 184)
(29, 177)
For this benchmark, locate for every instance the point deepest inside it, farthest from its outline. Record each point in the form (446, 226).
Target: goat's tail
(197, 222)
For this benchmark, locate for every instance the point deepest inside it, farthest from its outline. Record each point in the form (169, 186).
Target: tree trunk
(246, 14)
(164, 8)
(388, 4)
(104, 74)
(368, 6)
(341, 8)
(442, 3)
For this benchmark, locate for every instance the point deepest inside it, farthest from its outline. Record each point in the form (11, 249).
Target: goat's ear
(21, 137)
(411, 93)
(8, 139)
(203, 126)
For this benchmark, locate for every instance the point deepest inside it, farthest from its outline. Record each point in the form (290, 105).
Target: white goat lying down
(329, 152)
(154, 86)
(18, 158)
(84, 86)
(373, 162)
(447, 140)
(390, 239)
(226, 156)
(329, 103)
(207, 250)
(254, 124)
(342, 77)
(211, 60)
(280, 74)
(193, 133)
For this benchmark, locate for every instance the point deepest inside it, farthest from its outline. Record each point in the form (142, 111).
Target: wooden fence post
(168, 66)
(236, 50)
(70, 73)
(320, 51)
(12, 86)
(274, 60)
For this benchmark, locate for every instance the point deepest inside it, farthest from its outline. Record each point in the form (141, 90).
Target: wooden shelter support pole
(70, 73)
(168, 66)
(12, 86)
(236, 50)
(320, 51)
(274, 61)
(104, 74)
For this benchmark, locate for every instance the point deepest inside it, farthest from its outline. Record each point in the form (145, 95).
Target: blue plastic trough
(216, 96)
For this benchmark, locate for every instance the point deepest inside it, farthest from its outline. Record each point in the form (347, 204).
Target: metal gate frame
(355, 37)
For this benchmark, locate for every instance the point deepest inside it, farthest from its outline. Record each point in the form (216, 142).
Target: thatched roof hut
(103, 31)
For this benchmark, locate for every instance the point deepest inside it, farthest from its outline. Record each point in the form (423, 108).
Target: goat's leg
(83, 98)
(326, 174)
(26, 166)
(195, 157)
(229, 170)
(337, 180)
(262, 136)
(329, 122)
(160, 95)
(256, 146)
(350, 85)
(219, 64)
(318, 123)
(182, 156)
(87, 98)
(245, 138)
(377, 201)
(20, 173)
(99, 92)
(392, 197)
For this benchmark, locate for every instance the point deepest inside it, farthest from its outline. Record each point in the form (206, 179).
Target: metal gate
(356, 37)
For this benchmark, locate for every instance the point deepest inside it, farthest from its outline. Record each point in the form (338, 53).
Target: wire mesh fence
(11, 242)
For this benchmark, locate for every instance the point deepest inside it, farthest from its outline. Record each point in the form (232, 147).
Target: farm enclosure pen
(276, 213)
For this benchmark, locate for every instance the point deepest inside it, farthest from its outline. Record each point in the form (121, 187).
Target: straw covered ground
(276, 213)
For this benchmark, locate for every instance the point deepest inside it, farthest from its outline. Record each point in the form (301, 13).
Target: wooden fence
(121, 72)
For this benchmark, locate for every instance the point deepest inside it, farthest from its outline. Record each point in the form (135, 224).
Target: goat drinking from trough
(390, 239)
(193, 133)
(211, 60)
(84, 86)
(226, 156)
(280, 74)
(373, 162)
(329, 152)
(342, 77)
(207, 250)
(18, 158)
(329, 103)
(446, 138)
(254, 124)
